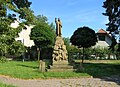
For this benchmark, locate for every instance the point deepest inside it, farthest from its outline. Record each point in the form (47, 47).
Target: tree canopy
(42, 33)
(10, 10)
(113, 12)
(84, 37)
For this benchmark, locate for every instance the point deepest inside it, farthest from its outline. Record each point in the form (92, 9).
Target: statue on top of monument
(58, 27)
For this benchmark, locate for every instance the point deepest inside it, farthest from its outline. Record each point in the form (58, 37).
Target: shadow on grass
(107, 72)
(28, 66)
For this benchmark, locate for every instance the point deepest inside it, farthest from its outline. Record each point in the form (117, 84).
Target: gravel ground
(75, 82)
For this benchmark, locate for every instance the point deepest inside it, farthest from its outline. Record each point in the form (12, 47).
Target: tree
(42, 34)
(113, 12)
(10, 10)
(83, 37)
(67, 42)
(40, 18)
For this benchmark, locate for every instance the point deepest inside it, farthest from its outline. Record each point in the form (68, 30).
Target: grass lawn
(101, 68)
(29, 70)
(5, 85)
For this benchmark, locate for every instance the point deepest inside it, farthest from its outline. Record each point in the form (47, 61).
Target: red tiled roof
(101, 31)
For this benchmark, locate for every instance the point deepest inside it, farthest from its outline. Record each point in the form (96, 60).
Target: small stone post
(42, 66)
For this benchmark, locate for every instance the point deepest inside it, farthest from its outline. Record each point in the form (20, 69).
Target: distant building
(104, 39)
(24, 35)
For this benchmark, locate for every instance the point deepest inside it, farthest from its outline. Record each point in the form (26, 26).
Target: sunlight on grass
(29, 70)
(65, 75)
(5, 85)
(100, 61)
(26, 70)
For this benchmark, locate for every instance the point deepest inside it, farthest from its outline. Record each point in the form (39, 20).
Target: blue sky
(73, 13)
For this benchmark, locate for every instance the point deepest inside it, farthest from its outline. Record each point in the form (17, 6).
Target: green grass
(102, 68)
(25, 70)
(29, 70)
(5, 85)
(65, 75)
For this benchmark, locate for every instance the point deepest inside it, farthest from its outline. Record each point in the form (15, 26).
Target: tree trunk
(38, 49)
(79, 53)
(118, 47)
(83, 55)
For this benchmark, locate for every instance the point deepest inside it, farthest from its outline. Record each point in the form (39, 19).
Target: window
(101, 38)
(19, 41)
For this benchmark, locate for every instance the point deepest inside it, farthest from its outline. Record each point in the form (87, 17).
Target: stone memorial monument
(60, 55)
(59, 52)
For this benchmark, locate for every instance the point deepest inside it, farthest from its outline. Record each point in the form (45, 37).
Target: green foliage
(20, 8)
(3, 59)
(93, 53)
(5, 85)
(40, 19)
(84, 37)
(16, 48)
(73, 52)
(100, 52)
(113, 12)
(9, 11)
(42, 33)
(66, 41)
(22, 3)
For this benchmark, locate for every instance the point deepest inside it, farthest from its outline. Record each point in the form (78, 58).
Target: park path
(74, 82)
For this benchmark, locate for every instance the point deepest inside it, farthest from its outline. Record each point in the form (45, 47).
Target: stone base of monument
(60, 57)
(61, 66)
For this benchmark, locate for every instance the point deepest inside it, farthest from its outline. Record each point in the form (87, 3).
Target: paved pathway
(76, 82)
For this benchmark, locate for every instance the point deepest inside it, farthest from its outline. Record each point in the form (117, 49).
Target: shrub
(3, 59)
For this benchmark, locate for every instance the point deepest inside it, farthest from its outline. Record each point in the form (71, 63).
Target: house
(24, 34)
(104, 39)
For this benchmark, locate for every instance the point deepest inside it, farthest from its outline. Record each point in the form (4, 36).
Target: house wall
(102, 44)
(24, 35)
(108, 40)
(25, 38)
(105, 43)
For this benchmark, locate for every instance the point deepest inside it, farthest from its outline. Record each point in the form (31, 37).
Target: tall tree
(42, 33)
(67, 42)
(113, 12)
(84, 37)
(9, 11)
